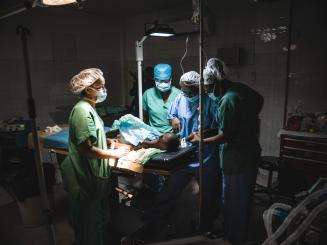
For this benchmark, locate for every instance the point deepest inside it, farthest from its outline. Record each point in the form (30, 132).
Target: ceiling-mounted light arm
(143, 39)
(20, 8)
(150, 25)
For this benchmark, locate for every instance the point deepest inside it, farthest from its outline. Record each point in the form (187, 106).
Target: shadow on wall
(61, 115)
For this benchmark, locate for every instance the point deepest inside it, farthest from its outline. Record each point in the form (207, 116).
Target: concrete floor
(12, 231)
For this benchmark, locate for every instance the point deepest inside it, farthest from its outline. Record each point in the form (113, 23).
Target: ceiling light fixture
(158, 30)
(153, 29)
(57, 2)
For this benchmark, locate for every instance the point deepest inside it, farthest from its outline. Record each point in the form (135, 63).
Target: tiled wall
(308, 85)
(62, 42)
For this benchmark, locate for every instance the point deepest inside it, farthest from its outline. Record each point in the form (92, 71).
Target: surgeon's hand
(194, 137)
(119, 152)
(176, 124)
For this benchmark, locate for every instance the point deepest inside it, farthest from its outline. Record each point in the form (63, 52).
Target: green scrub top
(215, 98)
(238, 117)
(86, 178)
(157, 109)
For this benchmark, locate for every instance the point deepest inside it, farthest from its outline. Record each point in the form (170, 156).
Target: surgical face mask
(209, 88)
(101, 95)
(208, 76)
(193, 99)
(163, 86)
(188, 92)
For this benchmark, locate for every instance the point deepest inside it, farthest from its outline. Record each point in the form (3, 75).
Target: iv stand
(24, 32)
(201, 112)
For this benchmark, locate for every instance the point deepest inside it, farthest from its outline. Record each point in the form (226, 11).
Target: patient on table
(167, 142)
(143, 141)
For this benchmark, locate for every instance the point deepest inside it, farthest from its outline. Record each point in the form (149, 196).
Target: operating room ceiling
(109, 7)
(128, 7)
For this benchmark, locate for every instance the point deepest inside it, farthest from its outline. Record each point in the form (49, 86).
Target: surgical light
(155, 30)
(57, 2)
(160, 34)
(159, 30)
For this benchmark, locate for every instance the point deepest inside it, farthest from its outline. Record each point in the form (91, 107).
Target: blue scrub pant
(237, 192)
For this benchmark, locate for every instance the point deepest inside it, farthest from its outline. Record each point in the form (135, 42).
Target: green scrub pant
(88, 221)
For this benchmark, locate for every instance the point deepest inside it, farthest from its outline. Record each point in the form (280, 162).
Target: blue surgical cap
(162, 72)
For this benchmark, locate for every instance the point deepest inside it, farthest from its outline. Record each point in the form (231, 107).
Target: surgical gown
(239, 120)
(157, 108)
(86, 179)
(188, 114)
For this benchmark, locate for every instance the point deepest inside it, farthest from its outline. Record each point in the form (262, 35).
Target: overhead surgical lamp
(57, 2)
(155, 30)
(159, 30)
(25, 5)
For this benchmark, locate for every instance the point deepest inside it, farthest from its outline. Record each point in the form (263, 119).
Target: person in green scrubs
(238, 120)
(86, 171)
(158, 99)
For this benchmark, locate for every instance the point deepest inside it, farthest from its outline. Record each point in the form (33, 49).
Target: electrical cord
(185, 53)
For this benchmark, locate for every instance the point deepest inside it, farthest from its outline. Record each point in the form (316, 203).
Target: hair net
(85, 79)
(191, 78)
(162, 72)
(215, 68)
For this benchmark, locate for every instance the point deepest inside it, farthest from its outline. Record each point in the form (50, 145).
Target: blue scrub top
(188, 114)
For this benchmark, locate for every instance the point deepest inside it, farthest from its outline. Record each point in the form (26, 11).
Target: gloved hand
(194, 137)
(176, 124)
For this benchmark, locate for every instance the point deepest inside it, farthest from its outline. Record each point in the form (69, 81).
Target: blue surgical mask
(163, 86)
(193, 99)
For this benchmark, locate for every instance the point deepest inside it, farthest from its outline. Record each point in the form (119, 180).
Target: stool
(271, 164)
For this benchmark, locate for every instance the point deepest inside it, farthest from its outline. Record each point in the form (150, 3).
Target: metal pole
(20, 8)
(140, 92)
(201, 113)
(139, 60)
(288, 59)
(24, 32)
(17, 11)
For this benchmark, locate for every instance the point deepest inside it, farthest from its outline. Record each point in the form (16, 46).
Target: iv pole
(24, 32)
(201, 112)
